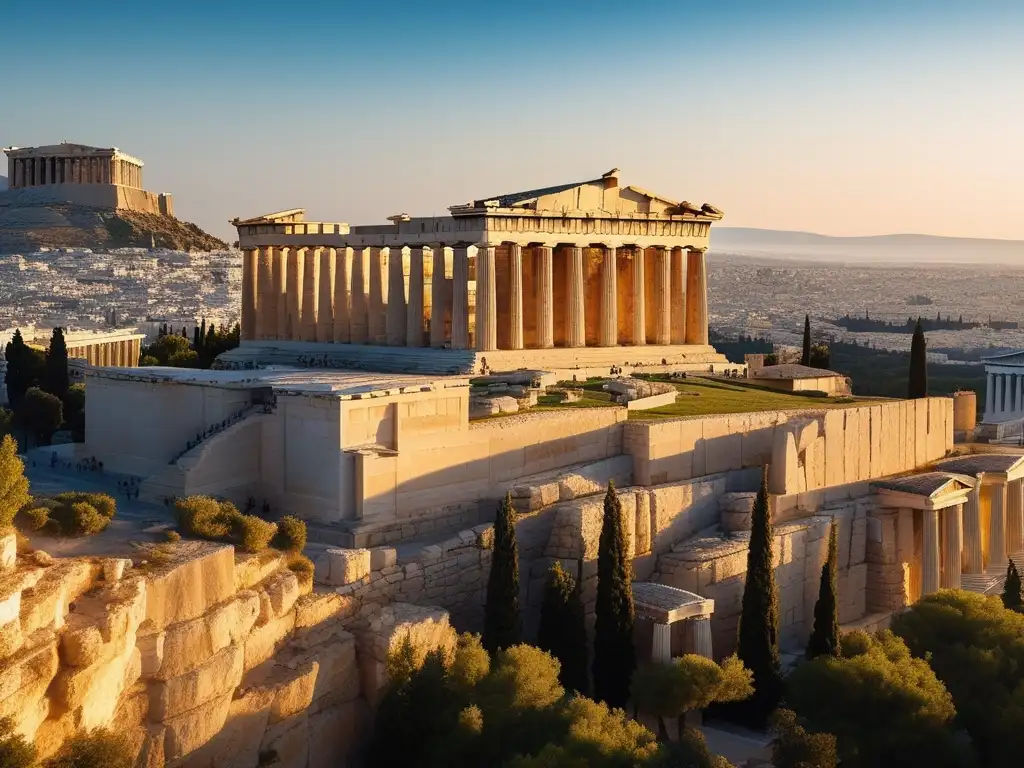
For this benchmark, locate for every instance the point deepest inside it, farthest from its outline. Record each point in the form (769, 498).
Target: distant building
(800, 378)
(1004, 396)
(83, 175)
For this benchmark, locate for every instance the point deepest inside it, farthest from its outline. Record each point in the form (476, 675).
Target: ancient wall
(108, 196)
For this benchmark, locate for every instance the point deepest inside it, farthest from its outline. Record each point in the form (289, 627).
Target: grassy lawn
(701, 397)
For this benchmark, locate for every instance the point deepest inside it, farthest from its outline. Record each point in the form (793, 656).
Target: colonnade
(1004, 396)
(119, 353)
(484, 297)
(102, 169)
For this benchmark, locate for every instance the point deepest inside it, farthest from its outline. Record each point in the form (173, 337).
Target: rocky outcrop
(27, 228)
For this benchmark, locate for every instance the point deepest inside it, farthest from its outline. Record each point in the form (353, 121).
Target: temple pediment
(278, 217)
(925, 490)
(1008, 358)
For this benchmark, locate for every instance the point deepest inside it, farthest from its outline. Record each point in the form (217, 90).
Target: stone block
(783, 472)
(594, 478)
(288, 742)
(114, 568)
(277, 595)
(317, 608)
(45, 604)
(190, 730)
(91, 693)
(237, 744)
(293, 690)
(265, 640)
(334, 733)
(383, 557)
(348, 565)
(201, 576)
(216, 676)
(8, 552)
(251, 569)
(188, 644)
(835, 472)
(642, 532)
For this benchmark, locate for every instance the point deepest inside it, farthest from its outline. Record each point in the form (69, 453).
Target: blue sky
(853, 118)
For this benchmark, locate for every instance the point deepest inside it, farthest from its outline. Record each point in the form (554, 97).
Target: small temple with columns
(583, 274)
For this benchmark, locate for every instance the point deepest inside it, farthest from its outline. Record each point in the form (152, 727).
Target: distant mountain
(875, 248)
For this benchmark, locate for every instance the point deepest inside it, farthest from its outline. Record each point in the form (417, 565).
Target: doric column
(609, 299)
(37, 171)
(18, 178)
(661, 648)
(310, 278)
(696, 299)
(281, 288)
(639, 309)
(396, 315)
(1014, 517)
(486, 300)
(414, 311)
(1008, 393)
(266, 298)
(930, 553)
(997, 532)
(677, 293)
(702, 645)
(575, 313)
(952, 521)
(663, 283)
(342, 295)
(515, 296)
(296, 286)
(376, 310)
(545, 298)
(997, 404)
(438, 284)
(325, 302)
(249, 292)
(460, 298)
(359, 320)
(973, 559)
(989, 394)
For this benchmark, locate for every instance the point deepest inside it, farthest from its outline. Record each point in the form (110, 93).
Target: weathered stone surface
(251, 569)
(201, 575)
(8, 552)
(316, 608)
(333, 733)
(288, 742)
(190, 730)
(348, 565)
(24, 680)
(265, 640)
(218, 675)
(382, 557)
(46, 603)
(237, 745)
(187, 644)
(293, 690)
(114, 568)
(277, 595)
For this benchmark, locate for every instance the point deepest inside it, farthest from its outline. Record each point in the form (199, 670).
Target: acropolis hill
(75, 196)
(358, 402)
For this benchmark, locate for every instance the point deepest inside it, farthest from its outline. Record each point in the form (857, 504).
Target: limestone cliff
(26, 228)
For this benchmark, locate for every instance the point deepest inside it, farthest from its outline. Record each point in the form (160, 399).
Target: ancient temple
(581, 274)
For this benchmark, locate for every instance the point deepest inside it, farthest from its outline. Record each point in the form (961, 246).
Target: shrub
(252, 533)
(15, 752)
(33, 519)
(301, 564)
(99, 749)
(13, 483)
(68, 514)
(206, 517)
(172, 536)
(291, 534)
(102, 502)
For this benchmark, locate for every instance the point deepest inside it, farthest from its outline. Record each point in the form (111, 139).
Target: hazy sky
(843, 118)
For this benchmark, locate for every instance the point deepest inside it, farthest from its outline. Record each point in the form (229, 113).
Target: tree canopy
(13, 483)
(562, 631)
(501, 609)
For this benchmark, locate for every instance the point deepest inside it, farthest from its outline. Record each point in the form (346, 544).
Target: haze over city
(853, 119)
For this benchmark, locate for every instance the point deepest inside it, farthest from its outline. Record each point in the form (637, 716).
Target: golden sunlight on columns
(266, 299)
(325, 300)
(281, 289)
(973, 562)
(395, 318)
(997, 533)
(515, 296)
(1014, 517)
(952, 522)
(341, 331)
(575, 318)
(696, 299)
(360, 318)
(702, 641)
(414, 310)
(460, 298)
(677, 291)
(310, 293)
(249, 305)
(639, 312)
(486, 300)
(376, 309)
(663, 282)
(545, 297)
(609, 299)
(296, 270)
(661, 643)
(438, 284)
(930, 553)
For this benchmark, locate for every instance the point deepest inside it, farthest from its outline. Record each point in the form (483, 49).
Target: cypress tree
(806, 358)
(758, 645)
(17, 378)
(562, 632)
(614, 654)
(501, 611)
(825, 636)
(918, 364)
(56, 372)
(1011, 589)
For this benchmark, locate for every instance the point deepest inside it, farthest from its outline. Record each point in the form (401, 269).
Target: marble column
(545, 298)
(310, 281)
(997, 404)
(296, 272)
(930, 553)
(325, 301)
(438, 286)
(663, 283)
(997, 527)
(989, 394)
(266, 299)
(515, 296)
(414, 310)
(973, 559)
(678, 296)
(661, 648)
(639, 310)
(1014, 517)
(486, 300)
(19, 173)
(702, 644)
(952, 523)
(37, 171)
(340, 330)
(460, 298)
(396, 317)
(281, 287)
(575, 317)
(696, 299)
(250, 266)
(609, 299)
(1008, 394)
(376, 308)
(359, 320)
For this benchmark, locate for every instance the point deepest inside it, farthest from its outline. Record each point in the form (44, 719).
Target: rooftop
(974, 464)
(665, 604)
(793, 371)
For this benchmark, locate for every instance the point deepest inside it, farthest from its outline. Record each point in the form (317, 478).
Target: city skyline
(879, 119)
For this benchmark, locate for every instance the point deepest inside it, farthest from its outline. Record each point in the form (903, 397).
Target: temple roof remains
(793, 371)
(977, 463)
(664, 604)
(929, 485)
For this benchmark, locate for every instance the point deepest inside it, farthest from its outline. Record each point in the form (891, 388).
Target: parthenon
(71, 164)
(572, 267)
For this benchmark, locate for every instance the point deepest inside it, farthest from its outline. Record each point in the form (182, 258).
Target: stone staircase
(991, 581)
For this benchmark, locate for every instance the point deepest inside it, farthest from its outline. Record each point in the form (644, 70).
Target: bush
(252, 533)
(33, 519)
(68, 514)
(172, 536)
(100, 749)
(301, 564)
(15, 752)
(291, 534)
(103, 503)
(13, 483)
(206, 518)
(84, 520)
